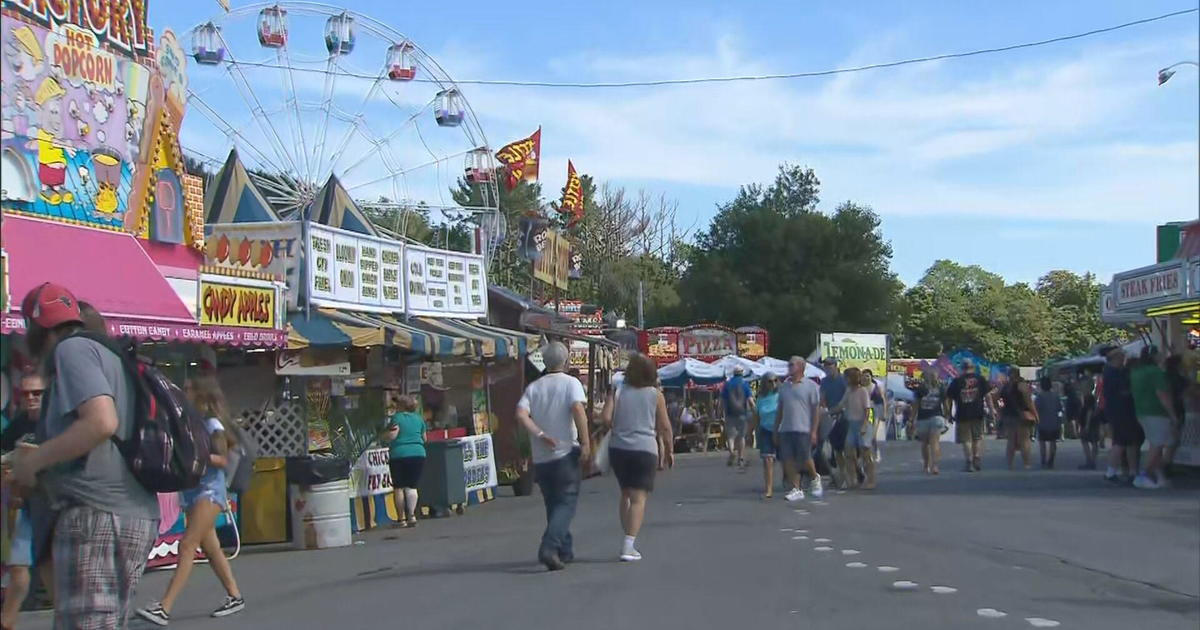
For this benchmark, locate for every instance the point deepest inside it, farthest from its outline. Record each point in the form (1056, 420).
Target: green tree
(1075, 301)
(770, 258)
(961, 306)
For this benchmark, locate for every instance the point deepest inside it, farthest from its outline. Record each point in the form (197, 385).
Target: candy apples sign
(235, 305)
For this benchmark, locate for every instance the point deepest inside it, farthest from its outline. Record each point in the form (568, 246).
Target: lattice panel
(281, 431)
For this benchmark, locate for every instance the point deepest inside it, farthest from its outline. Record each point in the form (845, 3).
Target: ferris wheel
(306, 92)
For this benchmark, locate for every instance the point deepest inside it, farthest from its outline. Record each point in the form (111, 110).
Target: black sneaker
(231, 605)
(155, 614)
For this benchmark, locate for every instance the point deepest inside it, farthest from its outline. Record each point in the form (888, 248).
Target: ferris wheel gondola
(321, 108)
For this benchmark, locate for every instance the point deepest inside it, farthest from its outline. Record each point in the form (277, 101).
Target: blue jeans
(560, 480)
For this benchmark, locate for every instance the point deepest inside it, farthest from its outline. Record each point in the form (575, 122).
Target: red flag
(572, 199)
(520, 158)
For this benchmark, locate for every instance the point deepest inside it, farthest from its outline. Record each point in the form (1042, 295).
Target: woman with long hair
(202, 505)
(405, 437)
(637, 415)
(1019, 417)
(859, 436)
(765, 409)
(931, 420)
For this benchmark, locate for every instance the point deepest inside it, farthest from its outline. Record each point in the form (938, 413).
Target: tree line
(769, 257)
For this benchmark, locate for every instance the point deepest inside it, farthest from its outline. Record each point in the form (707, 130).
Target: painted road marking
(1038, 622)
(850, 552)
(822, 548)
(904, 585)
(887, 569)
(991, 613)
(943, 590)
(856, 565)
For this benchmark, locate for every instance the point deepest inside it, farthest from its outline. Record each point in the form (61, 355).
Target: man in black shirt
(968, 392)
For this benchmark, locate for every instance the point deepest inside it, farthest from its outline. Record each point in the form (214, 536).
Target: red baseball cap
(49, 305)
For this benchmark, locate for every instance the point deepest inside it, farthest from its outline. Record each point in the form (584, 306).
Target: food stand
(1167, 297)
(96, 198)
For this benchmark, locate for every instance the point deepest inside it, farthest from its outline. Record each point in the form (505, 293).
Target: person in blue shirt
(739, 404)
(766, 407)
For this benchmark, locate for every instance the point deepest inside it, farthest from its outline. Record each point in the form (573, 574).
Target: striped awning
(429, 343)
(513, 343)
(490, 346)
(326, 329)
(525, 342)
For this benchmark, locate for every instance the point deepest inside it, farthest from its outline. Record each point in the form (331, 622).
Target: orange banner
(572, 199)
(520, 159)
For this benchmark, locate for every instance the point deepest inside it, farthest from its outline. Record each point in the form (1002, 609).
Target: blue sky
(1064, 156)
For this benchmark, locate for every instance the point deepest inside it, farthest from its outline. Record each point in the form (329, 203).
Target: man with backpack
(739, 402)
(103, 522)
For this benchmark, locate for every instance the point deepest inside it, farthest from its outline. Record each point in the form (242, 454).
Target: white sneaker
(1145, 483)
(796, 494)
(816, 488)
(631, 555)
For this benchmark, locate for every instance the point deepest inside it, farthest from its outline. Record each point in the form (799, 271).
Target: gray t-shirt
(798, 404)
(634, 420)
(83, 370)
(1048, 407)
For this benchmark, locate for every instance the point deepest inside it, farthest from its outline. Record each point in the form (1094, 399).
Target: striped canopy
(322, 329)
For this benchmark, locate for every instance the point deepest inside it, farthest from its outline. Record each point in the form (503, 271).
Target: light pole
(1165, 74)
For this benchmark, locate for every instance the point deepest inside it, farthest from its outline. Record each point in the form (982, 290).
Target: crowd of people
(82, 518)
(86, 523)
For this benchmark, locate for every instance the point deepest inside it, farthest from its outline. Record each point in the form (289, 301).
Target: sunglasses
(33, 392)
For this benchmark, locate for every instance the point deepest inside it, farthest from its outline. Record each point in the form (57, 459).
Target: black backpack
(169, 446)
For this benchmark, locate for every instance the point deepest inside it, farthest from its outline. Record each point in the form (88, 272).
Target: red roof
(106, 268)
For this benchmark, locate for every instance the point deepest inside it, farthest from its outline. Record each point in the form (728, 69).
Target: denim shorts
(854, 436)
(766, 442)
(211, 488)
(21, 551)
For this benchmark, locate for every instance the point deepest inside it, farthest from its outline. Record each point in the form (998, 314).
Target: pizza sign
(707, 343)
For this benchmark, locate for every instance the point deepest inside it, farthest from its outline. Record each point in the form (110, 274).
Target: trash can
(263, 507)
(319, 491)
(443, 482)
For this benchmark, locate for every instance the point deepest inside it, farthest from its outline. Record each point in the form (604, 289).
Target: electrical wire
(767, 77)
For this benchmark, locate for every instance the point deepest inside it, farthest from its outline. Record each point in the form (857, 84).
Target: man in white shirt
(797, 425)
(552, 411)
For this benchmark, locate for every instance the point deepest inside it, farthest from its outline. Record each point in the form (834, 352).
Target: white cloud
(1071, 135)
(1075, 133)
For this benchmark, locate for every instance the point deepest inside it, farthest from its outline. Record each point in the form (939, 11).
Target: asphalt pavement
(993, 550)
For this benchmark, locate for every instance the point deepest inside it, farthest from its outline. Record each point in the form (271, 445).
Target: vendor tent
(333, 207)
(897, 388)
(233, 198)
(678, 374)
(779, 368)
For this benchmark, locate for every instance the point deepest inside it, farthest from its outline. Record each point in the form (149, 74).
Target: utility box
(443, 481)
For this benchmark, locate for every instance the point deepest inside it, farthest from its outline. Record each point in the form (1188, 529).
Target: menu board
(445, 284)
(391, 274)
(354, 271)
(321, 269)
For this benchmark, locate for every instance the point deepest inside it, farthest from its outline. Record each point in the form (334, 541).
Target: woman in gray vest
(637, 414)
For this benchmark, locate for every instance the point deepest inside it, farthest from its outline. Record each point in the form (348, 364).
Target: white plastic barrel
(321, 515)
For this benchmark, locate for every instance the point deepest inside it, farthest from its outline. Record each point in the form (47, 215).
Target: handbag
(600, 461)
